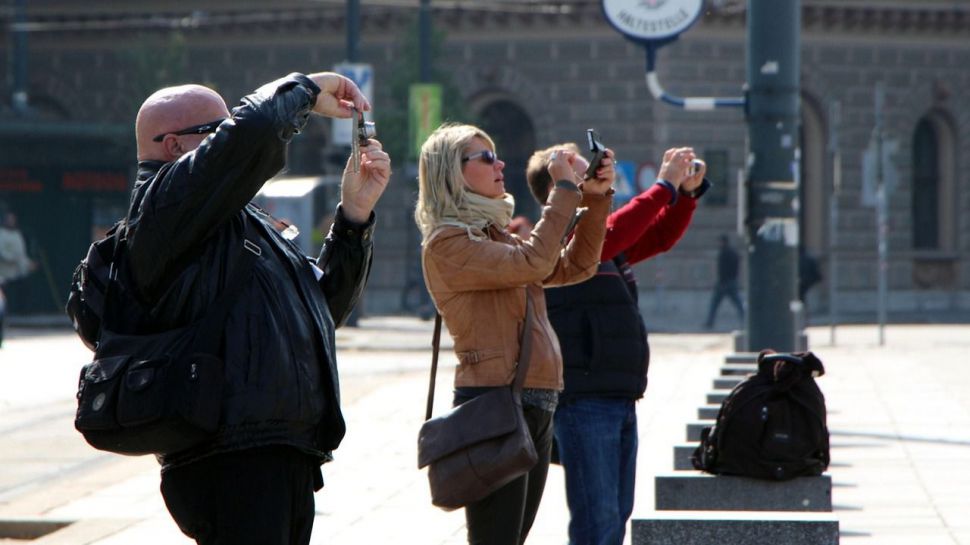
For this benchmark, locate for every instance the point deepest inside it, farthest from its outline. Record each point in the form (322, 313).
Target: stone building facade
(535, 74)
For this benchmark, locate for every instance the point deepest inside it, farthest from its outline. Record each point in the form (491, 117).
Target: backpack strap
(122, 240)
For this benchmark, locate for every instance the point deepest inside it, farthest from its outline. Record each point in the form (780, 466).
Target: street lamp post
(353, 29)
(771, 106)
(772, 163)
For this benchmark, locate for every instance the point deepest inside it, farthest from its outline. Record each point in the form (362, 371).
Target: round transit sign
(652, 20)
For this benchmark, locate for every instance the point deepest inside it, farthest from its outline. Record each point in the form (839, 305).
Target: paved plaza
(899, 418)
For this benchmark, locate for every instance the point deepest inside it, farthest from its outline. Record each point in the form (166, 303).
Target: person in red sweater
(604, 342)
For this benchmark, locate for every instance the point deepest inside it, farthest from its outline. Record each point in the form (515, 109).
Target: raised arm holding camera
(191, 222)
(604, 341)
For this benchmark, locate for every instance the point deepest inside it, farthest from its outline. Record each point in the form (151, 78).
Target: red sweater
(647, 226)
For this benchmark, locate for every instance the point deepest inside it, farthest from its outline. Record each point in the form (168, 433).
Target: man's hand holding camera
(682, 169)
(338, 95)
(359, 191)
(363, 183)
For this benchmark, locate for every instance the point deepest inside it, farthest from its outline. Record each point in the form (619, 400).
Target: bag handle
(522, 367)
(787, 370)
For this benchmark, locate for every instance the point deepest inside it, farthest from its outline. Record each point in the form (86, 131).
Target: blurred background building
(532, 73)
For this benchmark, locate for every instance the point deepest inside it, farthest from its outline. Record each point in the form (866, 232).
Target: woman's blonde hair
(443, 198)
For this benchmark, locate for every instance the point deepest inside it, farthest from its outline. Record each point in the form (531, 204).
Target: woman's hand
(605, 176)
(561, 166)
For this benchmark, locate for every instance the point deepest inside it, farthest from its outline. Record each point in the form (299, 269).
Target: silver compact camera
(695, 166)
(364, 130)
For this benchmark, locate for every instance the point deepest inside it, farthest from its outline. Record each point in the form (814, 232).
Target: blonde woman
(478, 274)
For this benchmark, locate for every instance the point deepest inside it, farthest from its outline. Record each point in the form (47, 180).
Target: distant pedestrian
(14, 262)
(809, 273)
(727, 282)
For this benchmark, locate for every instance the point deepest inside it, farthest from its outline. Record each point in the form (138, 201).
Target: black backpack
(85, 302)
(772, 425)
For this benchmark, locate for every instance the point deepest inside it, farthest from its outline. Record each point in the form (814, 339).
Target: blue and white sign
(625, 185)
(652, 21)
(646, 175)
(363, 75)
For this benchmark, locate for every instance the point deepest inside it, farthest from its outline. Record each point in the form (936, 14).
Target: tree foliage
(392, 116)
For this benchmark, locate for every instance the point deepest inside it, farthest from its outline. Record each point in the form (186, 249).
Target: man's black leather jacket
(186, 233)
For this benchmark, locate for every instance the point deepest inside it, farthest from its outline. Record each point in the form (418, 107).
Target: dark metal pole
(773, 132)
(424, 41)
(19, 36)
(353, 29)
(835, 122)
(882, 213)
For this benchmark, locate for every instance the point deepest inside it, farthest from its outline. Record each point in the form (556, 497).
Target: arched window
(933, 204)
(926, 187)
(514, 134)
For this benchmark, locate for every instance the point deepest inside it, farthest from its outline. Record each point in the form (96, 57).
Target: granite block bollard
(735, 528)
(703, 492)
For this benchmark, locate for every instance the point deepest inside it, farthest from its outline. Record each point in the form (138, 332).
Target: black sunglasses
(487, 156)
(205, 128)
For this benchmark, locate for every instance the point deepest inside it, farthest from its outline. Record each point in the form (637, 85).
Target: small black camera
(597, 149)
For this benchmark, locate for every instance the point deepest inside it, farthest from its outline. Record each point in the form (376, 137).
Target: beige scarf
(479, 212)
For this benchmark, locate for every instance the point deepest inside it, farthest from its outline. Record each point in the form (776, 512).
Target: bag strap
(525, 347)
(522, 367)
(435, 341)
(121, 232)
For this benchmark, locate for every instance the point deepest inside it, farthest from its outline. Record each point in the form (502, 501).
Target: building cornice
(382, 16)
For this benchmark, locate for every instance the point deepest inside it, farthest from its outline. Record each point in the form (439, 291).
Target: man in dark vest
(604, 343)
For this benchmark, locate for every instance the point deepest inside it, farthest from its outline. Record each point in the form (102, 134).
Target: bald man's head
(171, 110)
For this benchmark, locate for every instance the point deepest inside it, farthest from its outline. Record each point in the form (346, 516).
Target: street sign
(646, 175)
(424, 113)
(870, 170)
(652, 22)
(363, 75)
(625, 186)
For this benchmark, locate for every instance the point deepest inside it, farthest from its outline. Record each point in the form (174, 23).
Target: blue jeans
(597, 440)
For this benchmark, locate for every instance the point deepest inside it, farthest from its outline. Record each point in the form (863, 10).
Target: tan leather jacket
(479, 288)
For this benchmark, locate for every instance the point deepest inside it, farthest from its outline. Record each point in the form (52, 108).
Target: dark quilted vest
(602, 336)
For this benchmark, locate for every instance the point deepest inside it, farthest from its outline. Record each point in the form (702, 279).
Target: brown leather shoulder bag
(482, 444)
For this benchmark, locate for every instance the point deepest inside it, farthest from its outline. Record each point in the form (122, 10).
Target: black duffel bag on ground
(482, 444)
(156, 393)
(772, 425)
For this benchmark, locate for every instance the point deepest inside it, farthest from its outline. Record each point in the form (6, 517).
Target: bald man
(191, 227)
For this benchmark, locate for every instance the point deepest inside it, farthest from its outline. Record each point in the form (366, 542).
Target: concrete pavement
(899, 416)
